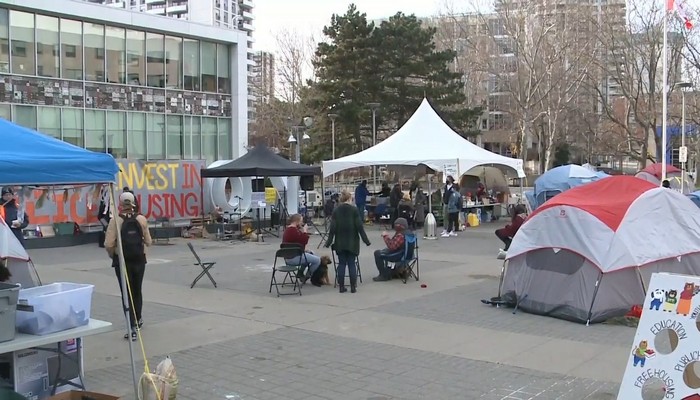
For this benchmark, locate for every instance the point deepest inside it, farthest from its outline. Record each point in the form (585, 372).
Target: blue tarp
(28, 157)
(561, 179)
(695, 197)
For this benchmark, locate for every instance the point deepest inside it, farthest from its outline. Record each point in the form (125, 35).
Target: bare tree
(294, 56)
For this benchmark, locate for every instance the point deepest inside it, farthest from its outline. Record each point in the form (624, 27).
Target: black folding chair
(291, 271)
(206, 266)
(335, 267)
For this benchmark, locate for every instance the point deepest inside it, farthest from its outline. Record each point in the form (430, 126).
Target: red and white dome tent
(587, 254)
(652, 173)
(17, 259)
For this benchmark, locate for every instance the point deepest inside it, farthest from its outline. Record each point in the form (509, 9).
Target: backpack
(132, 238)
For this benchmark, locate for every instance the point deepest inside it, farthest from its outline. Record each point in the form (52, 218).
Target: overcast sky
(309, 16)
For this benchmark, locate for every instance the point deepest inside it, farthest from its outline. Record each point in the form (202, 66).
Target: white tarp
(425, 139)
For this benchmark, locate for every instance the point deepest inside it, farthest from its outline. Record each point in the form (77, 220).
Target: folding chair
(206, 266)
(335, 267)
(285, 252)
(409, 260)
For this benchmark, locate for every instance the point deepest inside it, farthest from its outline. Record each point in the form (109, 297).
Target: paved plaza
(389, 341)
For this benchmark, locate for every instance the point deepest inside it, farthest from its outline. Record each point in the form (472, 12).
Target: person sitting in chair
(507, 233)
(297, 232)
(393, 252)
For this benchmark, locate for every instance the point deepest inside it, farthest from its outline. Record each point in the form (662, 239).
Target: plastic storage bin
(57, 307)
(8, 308)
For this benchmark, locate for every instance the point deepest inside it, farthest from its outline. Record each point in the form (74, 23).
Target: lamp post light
(374, 107)
(294, 137)
(333, 117)
(683, 152)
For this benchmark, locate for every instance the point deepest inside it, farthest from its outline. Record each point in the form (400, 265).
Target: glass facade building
(155, 90)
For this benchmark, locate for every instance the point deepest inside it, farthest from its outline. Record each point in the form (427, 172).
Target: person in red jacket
(297, 232)
(507, 233)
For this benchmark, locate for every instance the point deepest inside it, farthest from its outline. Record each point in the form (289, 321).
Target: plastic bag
(160, 385)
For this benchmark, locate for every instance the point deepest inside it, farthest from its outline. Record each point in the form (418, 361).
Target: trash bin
(8, 310)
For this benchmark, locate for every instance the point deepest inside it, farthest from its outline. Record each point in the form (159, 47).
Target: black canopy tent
(263, 162)
(260, 161)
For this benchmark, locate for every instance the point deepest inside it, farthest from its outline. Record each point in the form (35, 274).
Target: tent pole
(125, 289)
(323, 201)
(595, 293)
(641, 280)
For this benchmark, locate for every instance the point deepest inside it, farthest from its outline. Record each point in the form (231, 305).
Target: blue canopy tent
(561, 179)
(28, 157)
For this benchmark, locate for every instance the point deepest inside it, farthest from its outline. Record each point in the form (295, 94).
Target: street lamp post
(683, 157)
(298, 135)
(333, 117)
(374, 107)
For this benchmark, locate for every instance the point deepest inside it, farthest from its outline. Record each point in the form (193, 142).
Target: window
(94, 52)
(225, 149)
(209, 67)
(116, 133)
(6, 111)
(135, 57)
(47, 46)
(22, 36)
(72, 49)
(115, 39)
(73, 126)
(25, 116)
(209, 133)
(223, 70)
(136, 135)
(174, 137)
(95, 131)
(155, 60)
(193, 138)
(191, 61)
(49, 121)
(156, 136)
(173, 62)
(4, 40)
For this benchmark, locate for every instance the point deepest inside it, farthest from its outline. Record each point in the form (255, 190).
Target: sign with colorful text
(169, 189)
(664, 360)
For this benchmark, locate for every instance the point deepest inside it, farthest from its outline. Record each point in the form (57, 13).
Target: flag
(675, 5)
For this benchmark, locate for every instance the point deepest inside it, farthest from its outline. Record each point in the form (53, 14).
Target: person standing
(454, 204)
(394, 200)
(447, 192)
(361, 193)
(344, 235)
(10, 212)
(135, 236)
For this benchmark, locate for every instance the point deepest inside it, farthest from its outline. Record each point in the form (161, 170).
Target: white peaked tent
(425, 139)
(18, 261)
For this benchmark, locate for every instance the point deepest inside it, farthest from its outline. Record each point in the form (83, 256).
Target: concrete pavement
(388, 341)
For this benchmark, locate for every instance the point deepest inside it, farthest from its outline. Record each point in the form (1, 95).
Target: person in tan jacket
(133, 229)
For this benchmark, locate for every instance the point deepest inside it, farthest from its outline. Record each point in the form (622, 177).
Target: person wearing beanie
(393, 252)
(132, 227)
(14, 218)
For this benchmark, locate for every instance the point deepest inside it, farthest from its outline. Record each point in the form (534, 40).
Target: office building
(264, 77)
(131, 84)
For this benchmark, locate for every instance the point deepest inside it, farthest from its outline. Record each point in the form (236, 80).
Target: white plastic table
(52, 342)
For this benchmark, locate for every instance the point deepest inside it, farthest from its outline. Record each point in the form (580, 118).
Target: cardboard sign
(664, 360)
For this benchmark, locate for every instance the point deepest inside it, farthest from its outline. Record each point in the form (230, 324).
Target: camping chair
(409, 260)
(291, 271)
(206, 266)
(335, 267)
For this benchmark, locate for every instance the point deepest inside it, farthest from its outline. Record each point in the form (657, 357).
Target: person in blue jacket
(361, 193)
(11, 214)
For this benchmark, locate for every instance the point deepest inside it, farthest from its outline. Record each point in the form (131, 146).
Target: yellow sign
(271, 196)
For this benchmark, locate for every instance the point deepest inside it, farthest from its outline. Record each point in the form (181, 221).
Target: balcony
(177, 9)
(156, 11)
(246, 3)
(149, 2)
(245, 26)
(248, 15)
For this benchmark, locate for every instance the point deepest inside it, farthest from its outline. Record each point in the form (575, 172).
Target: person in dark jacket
(10, 212)
(507, 233)
(446, 193)
(386, 190)
(344, 235)
(394, 200)
(361, 193)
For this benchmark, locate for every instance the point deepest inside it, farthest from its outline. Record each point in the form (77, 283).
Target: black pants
(346, 259)
(381, 257)
(134, 272)
(505, 239)
(453, 222)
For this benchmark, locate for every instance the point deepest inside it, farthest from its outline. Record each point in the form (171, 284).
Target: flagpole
(665, 98)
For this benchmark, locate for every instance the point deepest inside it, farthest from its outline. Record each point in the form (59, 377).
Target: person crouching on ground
(507, 233)
(344, 234)
(297, 233)
(393, 252)
(135, 236)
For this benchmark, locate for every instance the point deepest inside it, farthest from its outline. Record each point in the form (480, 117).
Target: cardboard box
(76, 395)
